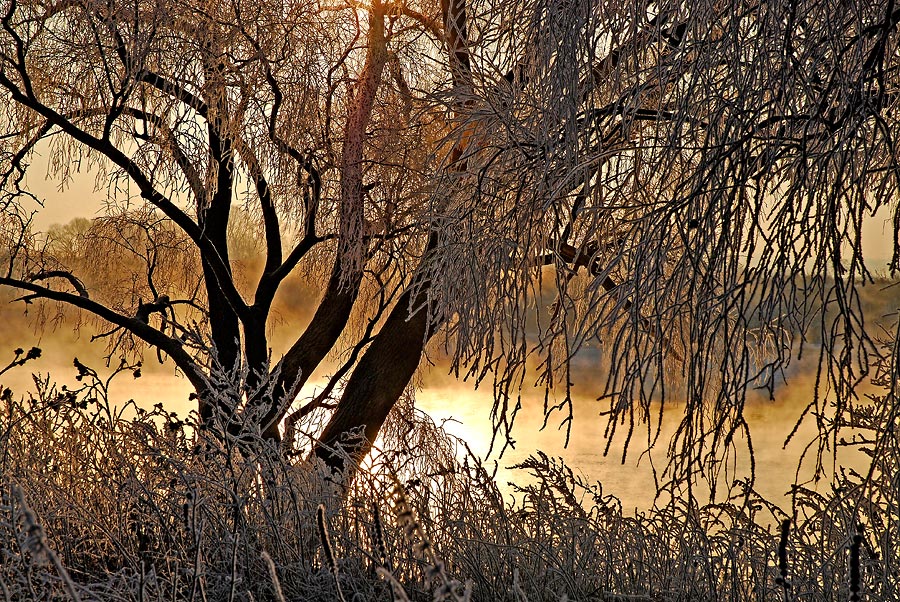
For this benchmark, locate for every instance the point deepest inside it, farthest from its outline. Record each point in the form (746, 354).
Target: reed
(328, 551)
(782, 579)
(121, 506)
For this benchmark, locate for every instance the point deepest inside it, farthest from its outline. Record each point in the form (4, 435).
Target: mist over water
(465, 413)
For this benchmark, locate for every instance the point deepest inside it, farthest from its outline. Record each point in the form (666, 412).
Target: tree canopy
(682, 186)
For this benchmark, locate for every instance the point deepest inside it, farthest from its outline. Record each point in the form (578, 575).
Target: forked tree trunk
(336, 305)
(377, 383)
(389, 363)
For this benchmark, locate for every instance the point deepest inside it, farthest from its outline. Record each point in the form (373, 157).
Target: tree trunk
(317, 340)
(389, 363)
(334, 310)
(377, 383)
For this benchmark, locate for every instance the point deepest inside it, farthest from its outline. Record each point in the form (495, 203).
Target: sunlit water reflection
(465, 413)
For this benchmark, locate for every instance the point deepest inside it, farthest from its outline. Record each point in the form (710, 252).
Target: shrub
(142, 505)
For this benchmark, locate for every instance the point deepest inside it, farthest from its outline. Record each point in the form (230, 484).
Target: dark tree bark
(342, 289)
(390, 362)
(378, 381)
(313, 345)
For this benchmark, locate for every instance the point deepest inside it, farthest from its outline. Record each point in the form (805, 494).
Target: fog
(465, 412)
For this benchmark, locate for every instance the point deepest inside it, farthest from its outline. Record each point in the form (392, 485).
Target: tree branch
(148, 191)
(334, 309)
(142, 330)
(77, 284)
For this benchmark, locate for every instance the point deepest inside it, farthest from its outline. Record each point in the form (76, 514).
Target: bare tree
(682, 185)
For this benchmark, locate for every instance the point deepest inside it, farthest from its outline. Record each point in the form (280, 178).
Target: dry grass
(107, 504)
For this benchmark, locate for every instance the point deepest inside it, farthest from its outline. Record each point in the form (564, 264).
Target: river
(466, 414)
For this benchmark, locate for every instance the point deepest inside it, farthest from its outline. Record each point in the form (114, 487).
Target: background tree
(682, 186)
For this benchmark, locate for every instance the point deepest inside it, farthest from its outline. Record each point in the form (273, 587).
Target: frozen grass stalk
(782, 579)
(328, 550)
(36, 542)
(273, 575)
(854, 568)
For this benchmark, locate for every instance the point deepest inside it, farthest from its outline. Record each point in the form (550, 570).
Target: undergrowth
(118, 503)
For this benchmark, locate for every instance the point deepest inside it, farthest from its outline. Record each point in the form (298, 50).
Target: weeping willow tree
(680, 185)
(697, 177)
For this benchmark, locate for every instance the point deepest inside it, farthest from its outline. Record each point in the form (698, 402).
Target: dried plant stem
(37, 540)
(328, 550)
(782, 579)
(854, 568)
(273, 575)
(398, 593)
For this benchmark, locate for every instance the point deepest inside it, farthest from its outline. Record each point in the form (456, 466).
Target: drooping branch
(456, 36)
(165, 85)
(583, 257)
(218, 266)
(170, 143)
(431, 24)
(135, 325)
(17, 170)
(275, 269)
